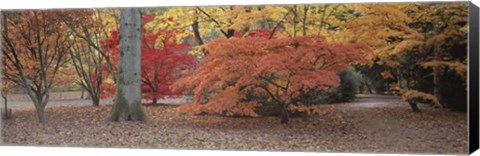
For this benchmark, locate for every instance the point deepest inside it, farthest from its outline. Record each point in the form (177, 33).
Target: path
(22, 101)
(388, 121)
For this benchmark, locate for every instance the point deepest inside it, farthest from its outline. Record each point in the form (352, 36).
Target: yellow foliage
(197, 52)
(395, 88)
(458, 67)
(191, 109)
(299, 108)
(387, 75)
(309, 110)
(418, 95)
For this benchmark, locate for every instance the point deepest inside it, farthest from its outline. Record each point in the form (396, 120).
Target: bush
(349, 84)
(346, 91)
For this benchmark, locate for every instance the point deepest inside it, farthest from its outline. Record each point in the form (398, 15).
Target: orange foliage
(280, 68)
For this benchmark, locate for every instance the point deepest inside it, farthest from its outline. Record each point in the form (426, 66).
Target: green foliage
(349, 84)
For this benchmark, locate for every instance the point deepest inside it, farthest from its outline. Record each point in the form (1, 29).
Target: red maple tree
(163, 58)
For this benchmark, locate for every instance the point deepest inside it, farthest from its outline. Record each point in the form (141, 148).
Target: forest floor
(370, 124)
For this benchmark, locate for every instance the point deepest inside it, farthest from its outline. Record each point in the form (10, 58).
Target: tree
(164, 56)
(90, 27)
(161, 66)
(127, 104)
(90, 56)
(6, 88)
(384, 28)
(209, 23)
(35, 47)
(418, 47)
(278, 68)
(447, 43)
(88, 65)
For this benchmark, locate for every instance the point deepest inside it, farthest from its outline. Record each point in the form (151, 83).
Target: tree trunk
(367, 85)
(436, 76)
(196, 33)
(5, 102)
(4, 93)
(230, 33)
(414, 106)
(6, 107)
(127, 105)
(198, 36)
(95, 101)
(305, 11)
(41, 114)
(294, 21)
(436, 83)
(285, 115)
(154, 100)
(83, 92)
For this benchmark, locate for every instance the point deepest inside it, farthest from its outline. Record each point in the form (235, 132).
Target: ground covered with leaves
(380, 124)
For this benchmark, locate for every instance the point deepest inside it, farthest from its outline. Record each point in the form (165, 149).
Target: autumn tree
(384, 28)
(7, 87)
(279, 68)
(91, 58)
(90, 27)
(127, 104)
(416, 46)
(35, 46)
(209, 23)
(445, 29)
(88, 65)
(164, 56)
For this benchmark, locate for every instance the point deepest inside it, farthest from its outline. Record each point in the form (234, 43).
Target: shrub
(348, 88)
(344, 92)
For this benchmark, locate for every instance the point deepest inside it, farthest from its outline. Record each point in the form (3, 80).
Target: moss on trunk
(124, 111)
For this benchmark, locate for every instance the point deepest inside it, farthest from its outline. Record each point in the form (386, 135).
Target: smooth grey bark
(127, 105)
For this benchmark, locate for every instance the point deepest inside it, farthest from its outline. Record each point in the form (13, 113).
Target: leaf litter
(389, 127)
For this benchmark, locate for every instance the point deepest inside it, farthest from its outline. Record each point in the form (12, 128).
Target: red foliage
(161, 65)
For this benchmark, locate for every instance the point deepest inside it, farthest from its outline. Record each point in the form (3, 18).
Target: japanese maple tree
(35, 49)
(279, 68)
(163, 58)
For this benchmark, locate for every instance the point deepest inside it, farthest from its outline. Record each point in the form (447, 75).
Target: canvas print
(357, 78)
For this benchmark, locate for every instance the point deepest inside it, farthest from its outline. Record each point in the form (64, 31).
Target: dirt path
(22, 101)
(381, 124)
